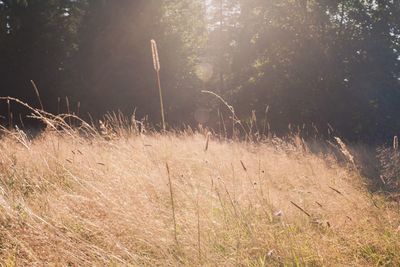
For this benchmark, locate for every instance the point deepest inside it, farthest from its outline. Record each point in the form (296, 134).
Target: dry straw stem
(235, 119)
(207, 141)
(68, 110)
(345, 151)
(78, 108)
(37, 94)
(172, 202)
(198, 226)
(58, 105)
(300, 208)
(21, 120)
(10, 119)
(265, 120)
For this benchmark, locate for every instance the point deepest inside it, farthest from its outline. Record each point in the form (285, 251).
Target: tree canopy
(309, 63)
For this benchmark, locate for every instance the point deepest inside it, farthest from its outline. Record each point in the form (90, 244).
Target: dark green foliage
(312, 62)
(322, 62)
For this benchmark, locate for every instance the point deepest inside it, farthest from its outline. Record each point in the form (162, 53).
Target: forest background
(297, 65)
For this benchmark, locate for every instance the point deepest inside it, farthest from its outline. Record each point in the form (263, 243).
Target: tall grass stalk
(9, 114)
(346, 152)
(172, 202)
(68, 110)
(207, 141)
(156, 65)
(78, 108)
(265, 120)
(198, 227)
(58, 105)
(21, 121)
(37, 94)
(232, 110)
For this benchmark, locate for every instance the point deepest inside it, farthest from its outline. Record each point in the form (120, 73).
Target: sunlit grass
(67, 199)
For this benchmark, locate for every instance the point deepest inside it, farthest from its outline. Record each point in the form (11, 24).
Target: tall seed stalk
(156, 64)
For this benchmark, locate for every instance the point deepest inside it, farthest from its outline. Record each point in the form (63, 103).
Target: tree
(38, 40)
(318, 62)
(312, 62)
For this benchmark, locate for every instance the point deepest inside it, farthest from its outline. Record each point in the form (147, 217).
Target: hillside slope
(69, 200)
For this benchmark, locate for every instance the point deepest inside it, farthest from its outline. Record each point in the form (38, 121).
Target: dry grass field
(162, 200)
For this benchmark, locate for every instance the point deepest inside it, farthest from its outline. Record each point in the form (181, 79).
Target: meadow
(264, 133)
(124, 196)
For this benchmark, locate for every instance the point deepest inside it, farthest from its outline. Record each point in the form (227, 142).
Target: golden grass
(67, 200)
